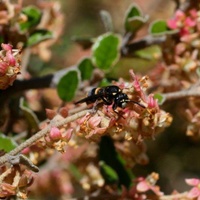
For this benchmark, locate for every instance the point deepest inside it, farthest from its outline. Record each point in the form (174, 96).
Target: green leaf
(30, 116)
(106, 51)
(39, 36)
(133, 24)
(6, 143)
(160, 98)
(105, 82)
(108, 173)
(33, 15)
(68, 85)
(134, 19)
(110, 156)
(86, 68)
(150, 53)
(158, 27)
(107, 20)
(122, 67)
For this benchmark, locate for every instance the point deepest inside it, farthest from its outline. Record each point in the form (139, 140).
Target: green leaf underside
(122, 67)
(135, 23)
(29, 115)
(115, 168)
(86, 68)
(6, 143)
(108, 173)
(39, 36)
(33, 17)
(105, 51)
(150, 53)
(68, 85)
(107, 20)
(134, 12)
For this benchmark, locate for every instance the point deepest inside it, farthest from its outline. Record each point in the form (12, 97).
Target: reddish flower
(190, 22)
(9, 65)
(195, 191)
(55, 134)
(149, 184)
(152, 103)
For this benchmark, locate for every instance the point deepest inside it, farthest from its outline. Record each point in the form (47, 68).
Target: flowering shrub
(92, 148)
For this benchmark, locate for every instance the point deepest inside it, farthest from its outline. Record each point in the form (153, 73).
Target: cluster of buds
(185, 61)
(14, 181)
(9, 65)
(194, 124)
(141, 186)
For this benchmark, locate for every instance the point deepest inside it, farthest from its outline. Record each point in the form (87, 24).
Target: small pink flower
(190, 22)
(6, 47)
(10, 58)
(93, 122)
(193, 13)
(152, 103)
(68, 134)
(148, 183)
(179, 15)
(195, 191)
(172, 24)
(143, 186)
(50, 113)
(26, 150)
(3, 68)
(55, 134)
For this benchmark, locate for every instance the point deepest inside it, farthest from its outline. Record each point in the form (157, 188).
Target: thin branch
(129, 49)
(40, 134)
(193, 92)
(174, 196)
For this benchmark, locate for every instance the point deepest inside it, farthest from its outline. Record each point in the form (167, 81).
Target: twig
(193, 92)
(39, 135)
(148, 40)
(174, 196)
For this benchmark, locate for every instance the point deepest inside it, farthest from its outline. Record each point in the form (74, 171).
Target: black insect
(108, 95)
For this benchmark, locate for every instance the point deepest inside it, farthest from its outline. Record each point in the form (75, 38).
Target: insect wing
(88, 99)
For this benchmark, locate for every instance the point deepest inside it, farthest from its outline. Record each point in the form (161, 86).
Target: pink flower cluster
(183, 22)
(195, 191)
(9, 65)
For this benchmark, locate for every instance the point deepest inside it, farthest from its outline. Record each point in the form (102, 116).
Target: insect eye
(123, 105)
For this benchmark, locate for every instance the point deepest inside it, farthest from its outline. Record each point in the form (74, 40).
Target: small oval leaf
(135, 23)
(30, 116)
(158, 27)
(39, 36)
(107, 20)
(86, 68)
(105, 51)
(68, 85)
(160, 98)
(108, 173)
(33, 15)
(133, 12)
(6, 143)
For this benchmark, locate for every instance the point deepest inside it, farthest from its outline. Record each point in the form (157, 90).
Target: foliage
(100, 144)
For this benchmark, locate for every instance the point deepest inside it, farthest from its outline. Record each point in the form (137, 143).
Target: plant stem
(40, 134)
